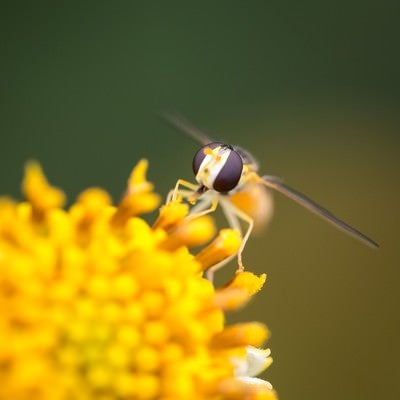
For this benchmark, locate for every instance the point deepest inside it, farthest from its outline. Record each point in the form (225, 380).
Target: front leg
(208, 201)
(173, 194)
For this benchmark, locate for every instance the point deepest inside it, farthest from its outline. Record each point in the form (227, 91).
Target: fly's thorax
(218, 167)
(256, 201)
(244, 178)
(247, 158)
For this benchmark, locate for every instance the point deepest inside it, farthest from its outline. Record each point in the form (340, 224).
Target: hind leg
(233, 214)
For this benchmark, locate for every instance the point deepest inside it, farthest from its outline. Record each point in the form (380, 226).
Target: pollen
(96, 303)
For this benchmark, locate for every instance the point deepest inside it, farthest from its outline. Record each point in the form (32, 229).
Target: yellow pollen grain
(117, 356)
(99, 376)
(128, 336)
(78, 331)
(31, 370)
(85, 308)
(148, 386)
(248, 281)
(208, 151)
(124, 286)
(156, 333)
(172, 289)
(172, 353)
(111, 312)
(239, 290)
(134, 313)
(69, 356)
(100, 331)
(147, 359)
(152, 303)
(93, 353)
(99, 286)
(125, 385)
(178, 384)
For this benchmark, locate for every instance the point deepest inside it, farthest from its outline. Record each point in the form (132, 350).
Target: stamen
(139, 197)
(246, 388)
(239, 291)
(192, 232)
(226, 244)
(247, 281)
(171, 215)
(39, 192)
(102, 305)
(248, 333)
(230, 299)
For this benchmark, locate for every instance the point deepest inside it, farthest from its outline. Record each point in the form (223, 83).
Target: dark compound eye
(200, 156)
(230, 173)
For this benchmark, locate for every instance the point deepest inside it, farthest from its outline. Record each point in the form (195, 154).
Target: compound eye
(229, 175)
(200, 156)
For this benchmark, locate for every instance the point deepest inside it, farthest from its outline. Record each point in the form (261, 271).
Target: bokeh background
(311, 88)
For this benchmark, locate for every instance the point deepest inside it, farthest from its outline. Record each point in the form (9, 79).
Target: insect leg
(210, 272)
(206, 205)
(180, 192)
(197, 212)
(173, 194)
(232, 214)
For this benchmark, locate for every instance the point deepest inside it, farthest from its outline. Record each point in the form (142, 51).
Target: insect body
(228, 175)
(228, 170)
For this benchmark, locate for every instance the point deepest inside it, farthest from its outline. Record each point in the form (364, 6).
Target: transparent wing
(179, 122)
(304, 201)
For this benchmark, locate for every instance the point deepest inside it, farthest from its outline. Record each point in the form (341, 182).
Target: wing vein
(317, 209)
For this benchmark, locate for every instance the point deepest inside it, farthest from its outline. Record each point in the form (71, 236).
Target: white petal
(255, 362)
(255, 382)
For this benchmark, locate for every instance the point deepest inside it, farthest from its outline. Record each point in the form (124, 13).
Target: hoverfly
(228, 175)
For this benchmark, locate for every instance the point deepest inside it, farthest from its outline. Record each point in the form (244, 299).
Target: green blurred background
(311, 88)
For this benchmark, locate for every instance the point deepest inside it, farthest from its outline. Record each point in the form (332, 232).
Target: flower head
(97, 304)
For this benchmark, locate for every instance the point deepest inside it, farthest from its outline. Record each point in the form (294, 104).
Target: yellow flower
(97, 304)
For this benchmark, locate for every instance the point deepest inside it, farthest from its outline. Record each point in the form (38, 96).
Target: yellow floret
(96, 304)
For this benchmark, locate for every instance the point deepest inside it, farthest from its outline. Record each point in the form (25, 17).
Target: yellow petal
(247, 281)
(38, 191)
(190, 233)
(226, 244)
(139, 197)
(242, 334)
(171, 215)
